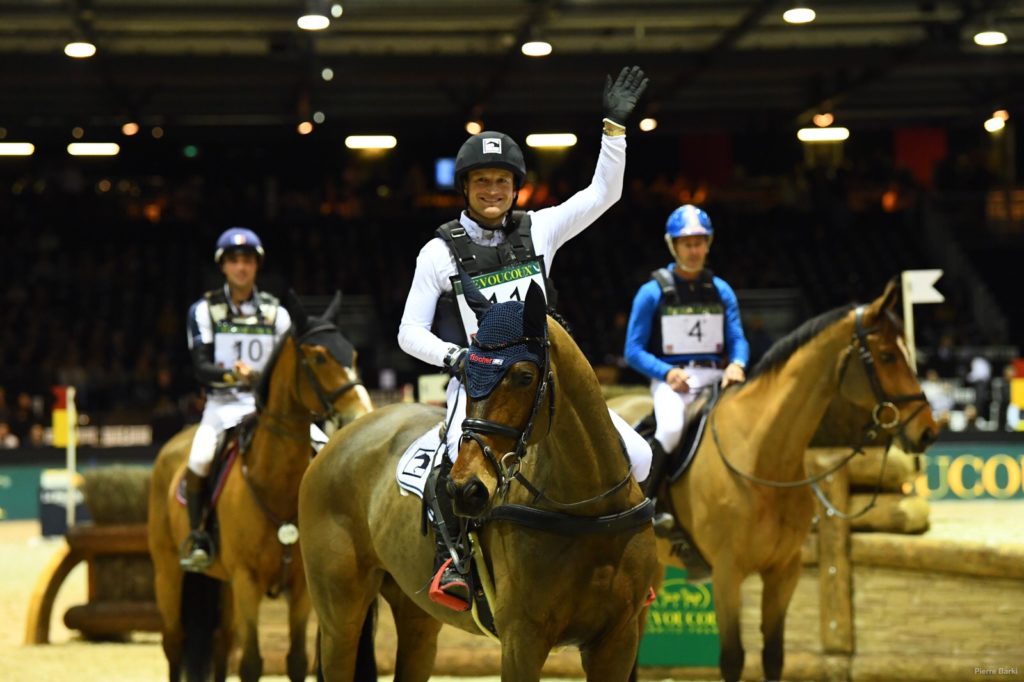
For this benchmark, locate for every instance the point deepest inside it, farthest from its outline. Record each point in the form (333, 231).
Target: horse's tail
(366, 659)
(200, 615)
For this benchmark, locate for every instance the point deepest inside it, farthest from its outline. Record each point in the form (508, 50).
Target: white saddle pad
(416, 463)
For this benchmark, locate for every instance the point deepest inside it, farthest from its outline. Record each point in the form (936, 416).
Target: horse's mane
(262, 389)
(560, 319)
(784, 348)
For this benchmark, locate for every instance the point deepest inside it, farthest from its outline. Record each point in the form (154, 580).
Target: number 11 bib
(507, 284)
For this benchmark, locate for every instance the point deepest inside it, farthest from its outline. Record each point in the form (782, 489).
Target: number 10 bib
(692, 330)
(252, 344)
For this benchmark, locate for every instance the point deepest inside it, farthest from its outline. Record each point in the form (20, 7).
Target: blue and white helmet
(238, 238)
(688, 221)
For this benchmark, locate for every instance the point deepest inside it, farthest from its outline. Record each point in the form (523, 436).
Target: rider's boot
(197, 554)
(448, 587)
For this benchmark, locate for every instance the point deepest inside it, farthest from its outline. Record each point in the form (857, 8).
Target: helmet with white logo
(238, 239)
(490, 150)
(688, 221)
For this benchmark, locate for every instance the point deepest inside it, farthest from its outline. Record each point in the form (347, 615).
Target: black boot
(448, 587)
(658, 460)
(197, 554)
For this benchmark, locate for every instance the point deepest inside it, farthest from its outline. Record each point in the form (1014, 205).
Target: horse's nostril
(473, 497)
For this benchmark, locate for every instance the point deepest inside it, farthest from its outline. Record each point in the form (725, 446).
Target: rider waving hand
(505, 250)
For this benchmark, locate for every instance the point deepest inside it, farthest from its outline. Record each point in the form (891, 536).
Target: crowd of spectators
(99, 272)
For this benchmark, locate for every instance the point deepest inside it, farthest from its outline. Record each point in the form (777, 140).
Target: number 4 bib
(692, 330)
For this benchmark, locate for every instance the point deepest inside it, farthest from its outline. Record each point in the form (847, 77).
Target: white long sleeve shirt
(551, 228)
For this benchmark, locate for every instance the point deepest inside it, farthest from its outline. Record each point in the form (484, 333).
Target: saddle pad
(415, 464)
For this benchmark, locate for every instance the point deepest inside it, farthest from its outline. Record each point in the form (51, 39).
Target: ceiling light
(536, 48)
(315, 18)
(990, 38)
(327, 74)
(130, 128)
(474, 127)
(551, 140)
(648, 124)
(994, 124)
(836, 134)
(823, 120)
(17, 149)
(319, 117)
(371, 141)
(798, 14)
(1001, 113)
(305, 128)
(157, 132)
(80, 50)
(337, 10)
(77, 132)
(94, 149)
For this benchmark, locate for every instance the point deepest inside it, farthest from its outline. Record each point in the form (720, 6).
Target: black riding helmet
(490, 150)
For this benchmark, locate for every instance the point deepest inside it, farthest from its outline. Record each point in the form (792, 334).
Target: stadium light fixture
(550, 140)
(94, 149)
(799, 14)
(316, 17)
(837, 134)
(648, 124)
(536, 48)
(17, 149)
(371, 141)
(80, 49)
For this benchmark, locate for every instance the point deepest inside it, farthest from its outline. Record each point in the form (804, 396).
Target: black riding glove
(455, 360)
(621, 96)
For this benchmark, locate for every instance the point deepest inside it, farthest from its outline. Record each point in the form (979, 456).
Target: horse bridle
(883, 401)
(287, 533)
(507, 468)
(858, 345)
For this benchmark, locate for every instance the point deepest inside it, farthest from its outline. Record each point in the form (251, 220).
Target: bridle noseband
(507, 467)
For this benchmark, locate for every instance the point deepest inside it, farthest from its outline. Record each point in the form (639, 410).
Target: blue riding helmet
(238, 238)
(688, 221)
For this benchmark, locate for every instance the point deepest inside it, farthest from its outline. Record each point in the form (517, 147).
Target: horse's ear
(889, 298)
(333, 312)
(296, 310)
(477, 302)
(535, 313)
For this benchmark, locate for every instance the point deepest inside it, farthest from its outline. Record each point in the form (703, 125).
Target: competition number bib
(252, 344)
(510, 283)
(692, 330)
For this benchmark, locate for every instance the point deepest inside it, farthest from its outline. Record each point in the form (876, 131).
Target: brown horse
(578, 579)
(729, 501)
(310, 376)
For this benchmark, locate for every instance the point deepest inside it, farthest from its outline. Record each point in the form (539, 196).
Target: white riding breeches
(669, 405)
(637, 449)
(220, 414)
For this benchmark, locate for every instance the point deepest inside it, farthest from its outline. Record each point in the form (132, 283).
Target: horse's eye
(321, 359)
(887, 358)
(522, 378)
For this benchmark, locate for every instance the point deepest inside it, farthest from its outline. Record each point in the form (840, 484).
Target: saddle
(695, 422)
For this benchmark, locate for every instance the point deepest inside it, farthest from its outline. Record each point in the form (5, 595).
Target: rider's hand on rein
(677, 379)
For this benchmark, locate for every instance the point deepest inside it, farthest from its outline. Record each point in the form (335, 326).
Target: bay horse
(310, 376)
(577, 579)
(731, 501)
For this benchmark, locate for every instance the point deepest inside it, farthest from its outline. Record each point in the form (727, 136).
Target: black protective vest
(480, 260)
(701, 291)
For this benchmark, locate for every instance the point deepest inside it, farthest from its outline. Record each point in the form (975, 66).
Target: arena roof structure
(730, 64)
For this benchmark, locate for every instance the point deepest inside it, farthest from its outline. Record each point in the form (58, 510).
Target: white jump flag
(918, 287)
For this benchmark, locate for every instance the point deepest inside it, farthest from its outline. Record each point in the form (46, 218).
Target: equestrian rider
(232, 332)
(504, 250)
(684, 325)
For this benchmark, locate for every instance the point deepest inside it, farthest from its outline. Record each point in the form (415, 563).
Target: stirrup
(195, 557)
(449, 589)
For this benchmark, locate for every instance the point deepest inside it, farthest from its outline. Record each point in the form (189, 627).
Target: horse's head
(327, 383)
(875, 374)
(507, 378)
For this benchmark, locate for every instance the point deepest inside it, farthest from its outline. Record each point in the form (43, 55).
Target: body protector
(249, 338)
(512, 260)
(692, 316)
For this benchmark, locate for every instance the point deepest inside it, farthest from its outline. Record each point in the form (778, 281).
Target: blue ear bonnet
(490, 355)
